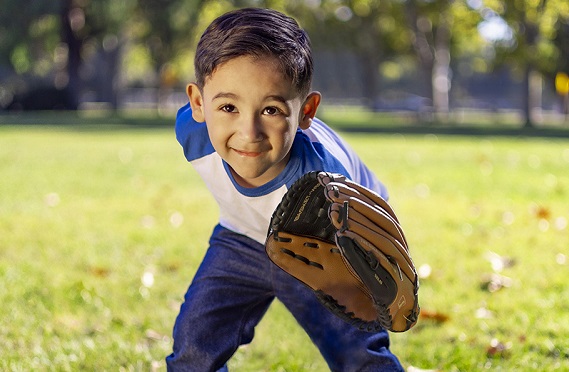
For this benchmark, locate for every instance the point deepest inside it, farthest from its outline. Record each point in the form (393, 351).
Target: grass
(102, 228)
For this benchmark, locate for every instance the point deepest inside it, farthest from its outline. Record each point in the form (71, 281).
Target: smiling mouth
(250, 154)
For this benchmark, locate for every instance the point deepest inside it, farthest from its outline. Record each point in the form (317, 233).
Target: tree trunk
(531, 99)
(369, 62)
(441, 70)
(74, 45)
(441, 85)
(424, 50)
(566, 108)
(526, 98)
(109, 84)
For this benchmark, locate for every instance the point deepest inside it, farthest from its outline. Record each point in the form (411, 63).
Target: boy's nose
(250, 129)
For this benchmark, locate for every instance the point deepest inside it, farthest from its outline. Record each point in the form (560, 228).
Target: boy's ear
(196, 102)
(309, 108)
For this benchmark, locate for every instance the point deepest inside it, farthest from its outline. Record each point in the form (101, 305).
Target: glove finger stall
(339, 191)
(390, 247)
(367, 215)
(360, 224)
(390, 290)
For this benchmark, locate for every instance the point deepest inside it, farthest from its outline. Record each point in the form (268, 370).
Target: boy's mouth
(251, 154)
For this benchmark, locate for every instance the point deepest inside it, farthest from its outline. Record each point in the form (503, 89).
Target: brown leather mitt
(344, 242)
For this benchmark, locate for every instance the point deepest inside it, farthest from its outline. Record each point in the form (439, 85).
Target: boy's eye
(229, 108)
(271, 111)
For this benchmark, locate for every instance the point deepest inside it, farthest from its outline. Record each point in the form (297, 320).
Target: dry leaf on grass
(483, 313)
(541, 212)
(434, 316)
(498, 349)
(494, 282)
(100, 272)
(498, 262)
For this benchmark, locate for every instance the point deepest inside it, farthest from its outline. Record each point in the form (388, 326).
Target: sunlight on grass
(102, 230)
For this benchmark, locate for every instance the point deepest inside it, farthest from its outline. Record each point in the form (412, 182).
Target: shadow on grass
(151, 119)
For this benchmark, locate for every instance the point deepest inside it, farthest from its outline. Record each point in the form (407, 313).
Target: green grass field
(102, 228)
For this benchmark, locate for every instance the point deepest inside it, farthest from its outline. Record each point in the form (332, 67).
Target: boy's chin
(251, 179)
(245, 179)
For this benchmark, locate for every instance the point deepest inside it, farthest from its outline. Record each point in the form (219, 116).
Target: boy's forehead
(247, 67)
(250, 59)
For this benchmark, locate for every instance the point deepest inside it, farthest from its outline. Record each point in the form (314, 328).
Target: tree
(27, 44)
(561, 42)
(52, 39)
(531, 50)
(166, 27)
(360, 27)
(429, 30)
(439, 29)
(48, 40)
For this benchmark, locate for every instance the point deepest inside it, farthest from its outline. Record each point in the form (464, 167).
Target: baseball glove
(344, 242)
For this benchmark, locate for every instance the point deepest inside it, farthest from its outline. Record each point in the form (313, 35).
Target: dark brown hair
(259, 33)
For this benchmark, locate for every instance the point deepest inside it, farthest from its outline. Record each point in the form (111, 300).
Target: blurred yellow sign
(562, 83)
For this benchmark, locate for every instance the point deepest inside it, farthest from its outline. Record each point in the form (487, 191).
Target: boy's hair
(259, 33)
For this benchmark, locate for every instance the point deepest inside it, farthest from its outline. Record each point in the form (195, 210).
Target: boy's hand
(344, 242)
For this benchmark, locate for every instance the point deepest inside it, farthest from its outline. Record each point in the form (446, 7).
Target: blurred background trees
(426, 56)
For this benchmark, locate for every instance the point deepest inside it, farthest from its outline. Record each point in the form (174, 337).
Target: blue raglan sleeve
(323, 136)
(191, 135)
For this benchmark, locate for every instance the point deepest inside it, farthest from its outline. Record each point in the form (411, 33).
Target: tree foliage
(27, 38)
(531, 43)
(151, 41)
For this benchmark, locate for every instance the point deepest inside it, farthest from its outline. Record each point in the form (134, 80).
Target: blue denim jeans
(230, 293)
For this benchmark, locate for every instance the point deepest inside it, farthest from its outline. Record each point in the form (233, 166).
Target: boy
(250, 131)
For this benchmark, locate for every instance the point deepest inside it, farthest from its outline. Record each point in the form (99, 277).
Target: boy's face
(252, 112)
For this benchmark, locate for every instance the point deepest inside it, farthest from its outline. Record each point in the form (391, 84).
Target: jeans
(231, 291)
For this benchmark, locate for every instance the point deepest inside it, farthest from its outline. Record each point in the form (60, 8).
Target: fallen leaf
(153, 335)
(494, 282)
(498, 349)
(498, 262)
(484, 313)
(100, 271)
(435, 316)
(172, 266)
(541, 212)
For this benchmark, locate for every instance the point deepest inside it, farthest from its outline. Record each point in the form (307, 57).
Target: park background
(460, 107)
(429, 57)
